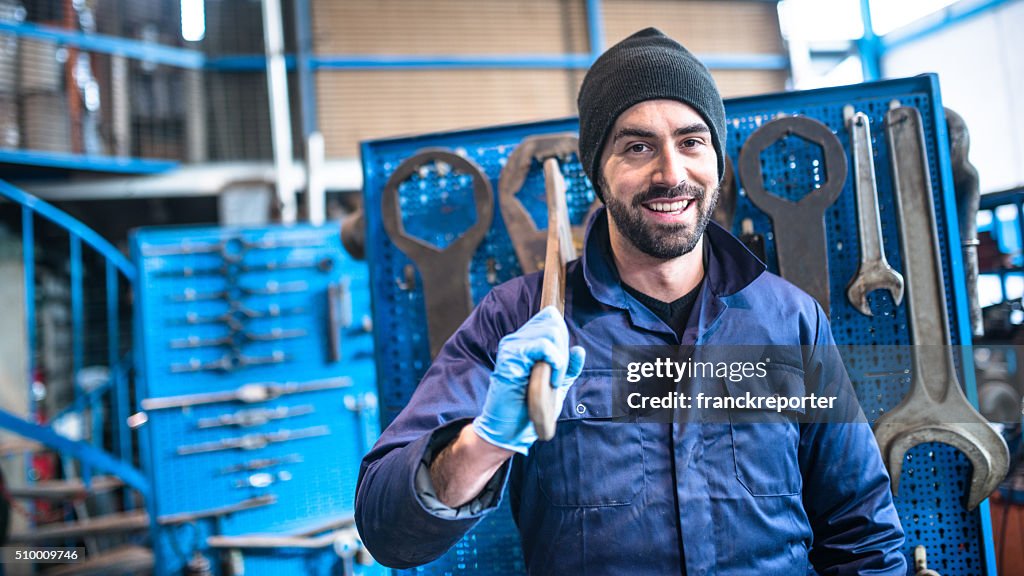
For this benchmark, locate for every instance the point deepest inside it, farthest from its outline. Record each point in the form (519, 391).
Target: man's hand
(505, 420)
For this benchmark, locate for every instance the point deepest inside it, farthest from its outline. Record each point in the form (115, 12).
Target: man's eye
(691, 142)
(638, 147)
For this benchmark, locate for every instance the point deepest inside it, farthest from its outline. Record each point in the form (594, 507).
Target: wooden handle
(541, 397)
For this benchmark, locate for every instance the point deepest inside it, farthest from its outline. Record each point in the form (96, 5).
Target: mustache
(683, 190)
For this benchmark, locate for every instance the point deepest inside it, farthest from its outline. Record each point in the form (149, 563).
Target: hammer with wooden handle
(541, 397)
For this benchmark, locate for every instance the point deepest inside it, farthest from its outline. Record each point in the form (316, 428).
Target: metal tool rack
(436, 209)
(258, 386)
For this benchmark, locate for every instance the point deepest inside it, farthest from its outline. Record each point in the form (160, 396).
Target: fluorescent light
(193, 20)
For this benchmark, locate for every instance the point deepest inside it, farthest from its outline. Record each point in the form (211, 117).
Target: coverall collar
(730, 268)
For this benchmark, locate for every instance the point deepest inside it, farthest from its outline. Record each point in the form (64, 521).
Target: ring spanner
(799, 227)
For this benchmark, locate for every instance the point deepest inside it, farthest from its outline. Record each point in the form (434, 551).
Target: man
(607, 497)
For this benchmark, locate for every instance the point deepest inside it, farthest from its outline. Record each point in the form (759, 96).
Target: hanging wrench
(445, 273)
(230, 362)
(253, 441)
(800, 243)
(874, 272)
(247, 394)
(935, 409)
(255, 416)
(528, 240)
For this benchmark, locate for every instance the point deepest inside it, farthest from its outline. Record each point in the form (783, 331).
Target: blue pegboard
(934, 477)
(266, 290)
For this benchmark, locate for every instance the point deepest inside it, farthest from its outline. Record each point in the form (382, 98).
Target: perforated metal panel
(266, 290)
(935, 476)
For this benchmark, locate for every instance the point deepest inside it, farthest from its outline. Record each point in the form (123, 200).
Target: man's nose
(670, 170)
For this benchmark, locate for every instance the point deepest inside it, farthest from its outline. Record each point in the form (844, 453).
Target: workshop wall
(366, 104)
(980, 63)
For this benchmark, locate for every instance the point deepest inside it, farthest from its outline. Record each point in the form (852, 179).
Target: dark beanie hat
(646, 66)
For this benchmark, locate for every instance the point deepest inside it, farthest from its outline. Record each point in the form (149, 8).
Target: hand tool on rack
(874, 272)
(237, 310)
(255, 416)
(339, 316)
(232, 249)
(445, 273)
(725, 209)
(230, 362)
(253, 441)
(528, 240)
(232, 269)
(935, 409)
(248, 504)
(541, 397)
(191, 295)
(921, 562)
(263, 479)
(751, 239)
(274, 287)
(967, 189)
(247, 394)
(342, 536)
(261, 464)
(799, 227)
(353, 234)
(325, 264)
(236, 338)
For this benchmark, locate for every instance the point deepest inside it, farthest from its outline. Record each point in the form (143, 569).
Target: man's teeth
(669, 206)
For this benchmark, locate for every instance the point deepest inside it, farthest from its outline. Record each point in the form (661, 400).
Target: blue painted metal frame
(72, 225)
(381, 157)
(78, 450)
(84, 162)
(869, 45)
(307, 89)
(137, 49)
(115, 262)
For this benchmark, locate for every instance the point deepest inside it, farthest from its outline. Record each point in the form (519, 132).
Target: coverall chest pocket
(595, 459)
(766, 440)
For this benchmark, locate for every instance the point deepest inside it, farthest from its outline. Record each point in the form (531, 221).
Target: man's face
(659, 175)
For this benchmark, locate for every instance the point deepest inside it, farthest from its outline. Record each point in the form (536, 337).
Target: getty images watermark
(770, 384)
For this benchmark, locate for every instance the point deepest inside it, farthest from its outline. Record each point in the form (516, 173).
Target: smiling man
(756, 493)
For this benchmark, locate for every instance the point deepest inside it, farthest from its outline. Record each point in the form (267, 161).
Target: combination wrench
(874, 272)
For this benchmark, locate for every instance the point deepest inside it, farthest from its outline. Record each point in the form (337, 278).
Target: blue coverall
(602, 497)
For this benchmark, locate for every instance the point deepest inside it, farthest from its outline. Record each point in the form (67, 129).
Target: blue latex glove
(505, 420)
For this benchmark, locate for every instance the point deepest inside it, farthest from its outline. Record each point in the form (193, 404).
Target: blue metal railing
(89, 403)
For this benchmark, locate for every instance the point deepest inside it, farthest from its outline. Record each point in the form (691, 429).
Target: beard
(662, 241)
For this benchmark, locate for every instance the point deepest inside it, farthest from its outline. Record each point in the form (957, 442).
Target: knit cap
(646, 66)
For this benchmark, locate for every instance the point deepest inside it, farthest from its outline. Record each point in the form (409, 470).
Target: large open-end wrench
(874, 272)
(445, 273)
(528, 240)
(935, 409)
(799, 227)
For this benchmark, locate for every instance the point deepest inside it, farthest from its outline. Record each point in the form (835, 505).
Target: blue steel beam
(307, 89)
(869, 45)
(31, 204)
(137, 49)
(84, 162)
(717, 61)
(595, 27)
(940, 20)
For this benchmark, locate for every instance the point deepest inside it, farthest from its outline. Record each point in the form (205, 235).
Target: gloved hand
(505, 420)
